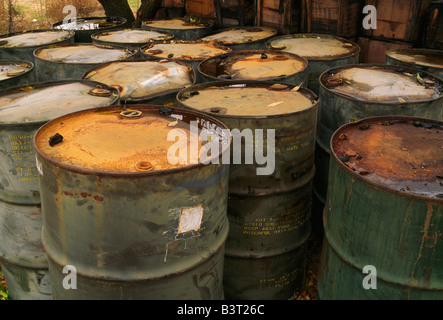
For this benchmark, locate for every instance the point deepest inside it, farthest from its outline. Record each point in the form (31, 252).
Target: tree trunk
(118, 8)
(148, 9)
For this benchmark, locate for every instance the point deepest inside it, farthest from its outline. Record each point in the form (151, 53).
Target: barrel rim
(248, 83)
(30, 64)
(314, 35)
(152, 56)
(122, 21)
(258, 51)
(274, 33)
(380, 66)
(71, 36)
(152, 96)
(417, 51)
(37, 85)
(38, 50)
(140, 174)
(370, 182)
(95, 37)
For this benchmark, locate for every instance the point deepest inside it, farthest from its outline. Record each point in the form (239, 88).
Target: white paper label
(190, 219)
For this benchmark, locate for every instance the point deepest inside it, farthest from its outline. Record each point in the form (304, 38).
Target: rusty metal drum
(354, 92)
(145, 81)
(71, 61)
(384, 211)
(269, 212)
(258, 65)
(134, 222)
(322, 51)
(242, 38)
(22, 111)
(186, 28)
(15, 73)
(428, 60)
(21, 45)
(130, 38)
(84, 28)
(22, 257)
(190, 52)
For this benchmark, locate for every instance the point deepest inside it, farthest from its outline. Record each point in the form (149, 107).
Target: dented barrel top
(399, 153)
(421, 57)
(184, 50)
(34, 38)
(241, 35)
(383, 83)
(11, 69)
(141, 79)
(90, 23)
(83, 53)
(314, 46)
(131, 36)
(120, 140)
(179, 23)
(253, 65)
(42, 102)
(247, 99)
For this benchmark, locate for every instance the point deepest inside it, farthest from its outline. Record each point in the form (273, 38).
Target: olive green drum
(322, 51)
(269, 203)
(258, 65)
(22, 111)
(186, 28)
(21, 45)
(126, 206)
(71, 61)
(424, 59)
(15, 73)
(354, 92)
(242, 38)
(22, 258)
(145, 81)
(384, 211)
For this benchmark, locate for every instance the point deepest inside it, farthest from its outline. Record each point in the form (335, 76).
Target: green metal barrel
(84, 28)
(190, 52)
(384, 211)
(428, 60)
(255, 65)
(22, 257)
(116, 207)
(186, 28)
(21, 45)
(269, 212)
(71, 61)
(145, 81)
(15, 73)
(242, 38)
(322, 51)
(354, 92)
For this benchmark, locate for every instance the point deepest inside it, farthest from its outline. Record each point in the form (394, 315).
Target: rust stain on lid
(103, 140)
(402, 154)
(176, 24)
(131, 36)
(422, 57)
(241, 35)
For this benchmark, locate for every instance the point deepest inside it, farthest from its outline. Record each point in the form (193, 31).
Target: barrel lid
(11, 69)
(253, 65)
(178, 23)
(422, 57)
(184, 50)
(120, 140)
(399, 153)
(42, 102)
(241, 35)
(382, 83)
(83, 53)
(143, 78)
(314, 46)
(33, 38)
(247, 99)
(131, 36)
(90, 23)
